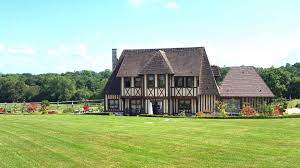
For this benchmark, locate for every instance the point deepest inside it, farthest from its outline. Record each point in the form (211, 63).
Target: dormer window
(127, 82)
(151, 81)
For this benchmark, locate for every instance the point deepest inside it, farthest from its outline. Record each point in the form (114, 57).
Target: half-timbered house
(161, 81)
(175, 80)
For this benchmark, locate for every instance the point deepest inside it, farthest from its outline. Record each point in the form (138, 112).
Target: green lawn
(99, 141)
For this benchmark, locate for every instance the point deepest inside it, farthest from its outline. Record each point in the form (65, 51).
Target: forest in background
(83, 85)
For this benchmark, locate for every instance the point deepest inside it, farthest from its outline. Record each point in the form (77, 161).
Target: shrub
(52, 112)
(278, 110)
(32, 107)
(68, 110)
(200, 114)
(282, 103)
(45, 104)
(267, 109)
(102, 113)
(221, 107)
(247, 110)
(2, 110)
(100, 108)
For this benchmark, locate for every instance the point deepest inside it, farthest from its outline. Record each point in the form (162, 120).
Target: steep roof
(113, 85)
(182, 61)
(207, 82)
(177, 61)
(244, 81)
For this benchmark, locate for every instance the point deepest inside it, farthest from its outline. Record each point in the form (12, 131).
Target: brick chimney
(114, 58)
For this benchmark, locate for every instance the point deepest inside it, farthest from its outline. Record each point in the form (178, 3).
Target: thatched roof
(244, 81)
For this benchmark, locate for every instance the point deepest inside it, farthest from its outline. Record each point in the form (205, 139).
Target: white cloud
(82, 50)
(136, 3)
(2, 47)
(21, 51)
(172, 5)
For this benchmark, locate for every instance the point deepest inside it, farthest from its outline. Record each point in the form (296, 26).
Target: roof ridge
(163, 54)
(170, 48)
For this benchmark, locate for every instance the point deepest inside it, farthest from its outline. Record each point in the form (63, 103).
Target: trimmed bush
(68, 110)
(102, 113)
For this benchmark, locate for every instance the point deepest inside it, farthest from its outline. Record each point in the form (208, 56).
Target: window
(127, 82)
(184, 105)
(189, 81)
(161, 81)
(136, 104)
(151, 81)
(113, 104)
(179, 81)
(138, 82)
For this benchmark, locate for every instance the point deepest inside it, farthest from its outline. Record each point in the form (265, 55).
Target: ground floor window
(136, 104)
(184, 105)
(113, 104)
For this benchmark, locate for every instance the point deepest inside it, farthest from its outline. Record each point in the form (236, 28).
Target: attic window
(260, 90)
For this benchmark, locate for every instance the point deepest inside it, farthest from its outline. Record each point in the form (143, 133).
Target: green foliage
(223, 72)
(283, 81)
(267, 109)
(283, 103)
(293, 103)
(45, 104)
(100, 108)
(68, 110)
(232, 106)
(221, 107)
(79, 85)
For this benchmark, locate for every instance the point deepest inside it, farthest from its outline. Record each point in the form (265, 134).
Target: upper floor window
(127, 82)
(190, 81)
(161, 81)
(138, 82)
(151, 81)
(179, 81)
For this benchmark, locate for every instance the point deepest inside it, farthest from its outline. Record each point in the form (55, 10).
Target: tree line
(77, 85)
(81, 85)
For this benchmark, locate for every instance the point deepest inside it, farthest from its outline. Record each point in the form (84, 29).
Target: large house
(175, 80)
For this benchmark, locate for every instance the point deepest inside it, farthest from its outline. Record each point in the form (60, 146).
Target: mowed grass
(99, 141)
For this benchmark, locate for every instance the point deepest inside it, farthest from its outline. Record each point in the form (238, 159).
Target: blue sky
(67, 35)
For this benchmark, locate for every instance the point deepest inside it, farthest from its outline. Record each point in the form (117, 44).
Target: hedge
(102, 113)
(228, 117)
